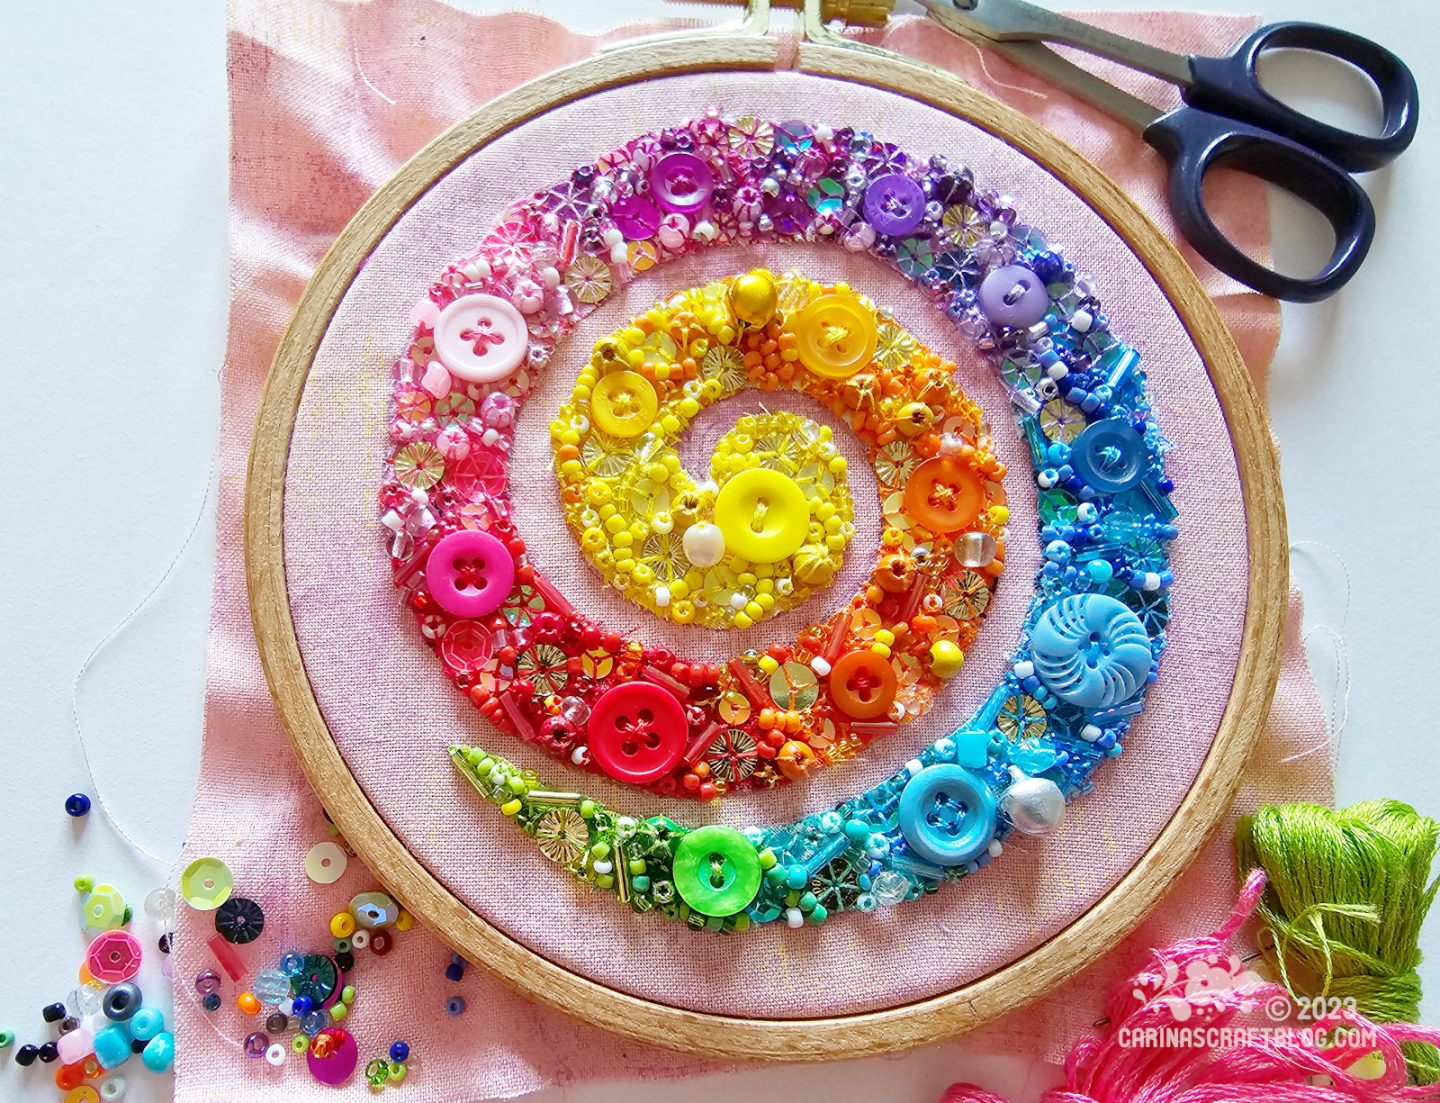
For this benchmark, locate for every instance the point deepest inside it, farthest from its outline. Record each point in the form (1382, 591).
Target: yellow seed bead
(741, 620)
(885, 636)
(880, 649)
(769, 664)
(765, 601)
(511, 807)
(682, 612)
(999, 514)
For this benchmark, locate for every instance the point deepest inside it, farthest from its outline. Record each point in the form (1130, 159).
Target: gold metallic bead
(754, 297)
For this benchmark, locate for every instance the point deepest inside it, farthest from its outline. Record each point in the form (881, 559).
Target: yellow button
(835, 336)
(763, 515)
(623, 404)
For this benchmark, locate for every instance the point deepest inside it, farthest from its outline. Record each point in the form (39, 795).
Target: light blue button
(1091, 651)
(1110, 456)
(947, 814)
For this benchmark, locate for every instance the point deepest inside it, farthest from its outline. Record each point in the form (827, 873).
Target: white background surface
(113, 292)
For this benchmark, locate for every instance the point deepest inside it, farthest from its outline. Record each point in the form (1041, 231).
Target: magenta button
(894, 204)
(469, 573)
(1014, 296)
(636, 218)
(341, 1057)
(681, 183)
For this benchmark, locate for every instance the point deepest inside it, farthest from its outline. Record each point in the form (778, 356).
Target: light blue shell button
(1091, 651)
(1110, 456)
(947, 814)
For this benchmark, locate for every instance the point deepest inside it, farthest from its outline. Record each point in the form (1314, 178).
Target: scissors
(1228, 119)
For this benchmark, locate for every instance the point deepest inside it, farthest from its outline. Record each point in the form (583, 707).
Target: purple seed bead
(256, 1044)
(1014, 296)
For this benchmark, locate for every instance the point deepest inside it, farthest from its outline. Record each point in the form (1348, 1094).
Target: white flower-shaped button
(480, 338)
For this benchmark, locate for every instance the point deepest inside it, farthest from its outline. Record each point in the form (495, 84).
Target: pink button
(636, 218)
(341, 1056)
(469, 573)
(637, 732)
(681, 183)
(481, 338)
(114, 957)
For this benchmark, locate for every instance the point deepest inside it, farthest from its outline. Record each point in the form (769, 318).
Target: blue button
(1091, 651)
(947, 814)
(1110, 456)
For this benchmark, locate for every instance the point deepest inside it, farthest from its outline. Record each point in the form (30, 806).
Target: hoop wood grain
(892, 1028)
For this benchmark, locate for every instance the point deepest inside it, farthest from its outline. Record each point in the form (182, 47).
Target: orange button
(862, 685)
(945, 494)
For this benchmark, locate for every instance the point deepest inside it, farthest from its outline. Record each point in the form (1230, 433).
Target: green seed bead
(768, 859)
(300, 1043)
(347, 994)
(397, 1071)
(600, 850)
(818, 914)
(338, 1011)
(637, 866)
(7, 1039)
(84, 884)
(587, 808)
(640, 884)
(808, 903)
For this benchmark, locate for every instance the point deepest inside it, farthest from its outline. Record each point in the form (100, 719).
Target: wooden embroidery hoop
(822, 53)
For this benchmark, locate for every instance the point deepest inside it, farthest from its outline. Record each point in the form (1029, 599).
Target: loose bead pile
(301, 992)
(104, 1021)
(1093, 634)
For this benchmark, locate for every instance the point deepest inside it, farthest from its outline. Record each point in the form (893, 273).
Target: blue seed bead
(159, 1052)
(857, 831)
(146, 1023)
(455, 971)
(211, 1001)
(53, 1012)
(399, 1052)
(313, 1022)
(796, 877)
(454, 1006)
(301, 1006)
(112, 1045)
(292, 964)
(77, 804)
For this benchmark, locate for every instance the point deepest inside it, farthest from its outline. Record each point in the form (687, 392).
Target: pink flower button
(469, 573)
(114, 957)
(481, 338)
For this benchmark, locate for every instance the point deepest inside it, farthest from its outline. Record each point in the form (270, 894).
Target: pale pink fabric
(314, 133)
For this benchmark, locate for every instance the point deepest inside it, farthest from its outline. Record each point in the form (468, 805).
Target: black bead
(345, 962)
(137, 1046)
(49, 1052)
(164, 943)
(53, 1012)
(69, 1023)
(26, 1055)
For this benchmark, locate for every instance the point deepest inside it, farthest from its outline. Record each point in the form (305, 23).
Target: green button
(716, 870)
(206, 884)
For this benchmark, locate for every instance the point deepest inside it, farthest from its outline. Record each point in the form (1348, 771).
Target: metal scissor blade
(1017, 22)
(1039, 58)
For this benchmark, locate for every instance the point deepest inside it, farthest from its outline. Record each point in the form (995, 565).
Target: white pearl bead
(550, 277)
(1035, 805)
(820, 665)
(477, 270)
(995, 848)
(1090, 733)
(704, 544)
(619, 254)
(662, 596)
(1081, 321)
(603, 867)
(794, 918)
(1025, 670)
(737, 601)
(614, 237)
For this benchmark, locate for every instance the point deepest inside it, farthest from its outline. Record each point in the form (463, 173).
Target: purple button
(636, 218)
(894, 204)
(681, 183)
(469, 573)
(1014, 296)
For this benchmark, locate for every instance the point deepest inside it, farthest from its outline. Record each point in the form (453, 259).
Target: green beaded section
(629, 859)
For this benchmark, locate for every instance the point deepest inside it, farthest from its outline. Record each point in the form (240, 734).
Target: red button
(469, 573)
(944, 494)
(863, 685)
(637, 732)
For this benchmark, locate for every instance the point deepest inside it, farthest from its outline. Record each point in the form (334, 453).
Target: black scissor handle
(1231, 86)
(1195, 141)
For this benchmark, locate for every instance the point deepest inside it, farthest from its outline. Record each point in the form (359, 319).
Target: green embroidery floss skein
(1348, 891)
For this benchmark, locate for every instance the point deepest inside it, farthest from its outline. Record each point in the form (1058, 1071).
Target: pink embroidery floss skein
(1196, 1027)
